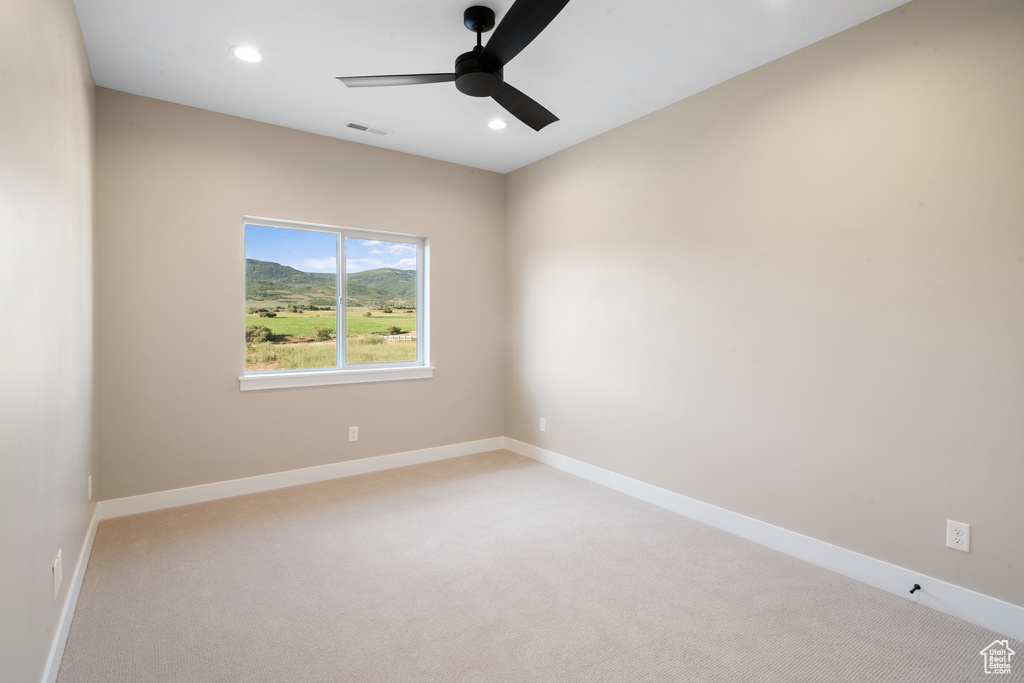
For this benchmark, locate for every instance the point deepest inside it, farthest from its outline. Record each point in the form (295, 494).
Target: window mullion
(421, 333)
(341, 312)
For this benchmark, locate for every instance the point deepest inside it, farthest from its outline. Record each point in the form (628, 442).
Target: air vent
(366, 129)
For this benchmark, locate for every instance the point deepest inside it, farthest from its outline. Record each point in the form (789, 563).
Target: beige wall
(46, 385)
(799, 295)
(172, 186)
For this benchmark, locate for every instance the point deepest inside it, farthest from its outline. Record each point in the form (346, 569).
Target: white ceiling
(599, 64)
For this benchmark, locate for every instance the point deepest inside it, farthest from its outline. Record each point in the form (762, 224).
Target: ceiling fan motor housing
(475, 76)
(478, 19)
(472, 75)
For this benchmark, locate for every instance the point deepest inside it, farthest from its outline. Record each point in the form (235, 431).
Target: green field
(304, 324)
(271, 356)
(362, 350)
(380, 322)
(295, 350)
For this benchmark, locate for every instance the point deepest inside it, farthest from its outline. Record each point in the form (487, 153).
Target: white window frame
(343, 373)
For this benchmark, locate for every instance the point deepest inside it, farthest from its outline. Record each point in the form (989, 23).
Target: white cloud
(373, 254)
(393, 249)
(319, 265)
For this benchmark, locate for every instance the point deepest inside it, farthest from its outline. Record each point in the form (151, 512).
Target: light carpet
(484, 568)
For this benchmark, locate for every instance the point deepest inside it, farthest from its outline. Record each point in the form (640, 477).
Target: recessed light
(498, 124)
(247, 54)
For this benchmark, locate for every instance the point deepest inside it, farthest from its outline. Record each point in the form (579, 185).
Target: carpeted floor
(484, 568)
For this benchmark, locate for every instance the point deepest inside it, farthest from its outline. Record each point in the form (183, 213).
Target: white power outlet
(90, 487)
(353, 433)
(543, 425)
(58, 574)
(958, 535)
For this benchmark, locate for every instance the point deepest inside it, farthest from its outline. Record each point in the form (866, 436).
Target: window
(330, 305)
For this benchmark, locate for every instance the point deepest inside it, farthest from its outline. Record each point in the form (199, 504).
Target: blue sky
(316, 252)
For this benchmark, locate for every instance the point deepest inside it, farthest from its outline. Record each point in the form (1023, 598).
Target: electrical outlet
(353, 433)
(90, 487)
(543, 425)
(58, 574)
(958, 535)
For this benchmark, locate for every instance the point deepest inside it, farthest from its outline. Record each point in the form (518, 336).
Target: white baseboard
(148, 502)
(984, 610)
(60, 638)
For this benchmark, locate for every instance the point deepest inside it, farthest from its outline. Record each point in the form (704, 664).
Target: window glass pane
(380, 288)
(290, 299)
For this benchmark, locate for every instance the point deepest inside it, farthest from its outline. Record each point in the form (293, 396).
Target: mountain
(275, 273)
(384, 284)
(273, 284)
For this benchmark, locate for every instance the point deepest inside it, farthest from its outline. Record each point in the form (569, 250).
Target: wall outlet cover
(958, 535)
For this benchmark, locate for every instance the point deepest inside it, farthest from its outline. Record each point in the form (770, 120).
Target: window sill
(315, 378)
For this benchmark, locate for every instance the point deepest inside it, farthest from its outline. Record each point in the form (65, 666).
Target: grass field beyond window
(305, 323)
(271, 356)
(295, 346)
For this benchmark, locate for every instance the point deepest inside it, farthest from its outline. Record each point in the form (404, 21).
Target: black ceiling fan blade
(522, 23)
(524, 108)
(404, 79)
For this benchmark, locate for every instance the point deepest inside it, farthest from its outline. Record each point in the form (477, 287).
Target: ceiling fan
(480, 72)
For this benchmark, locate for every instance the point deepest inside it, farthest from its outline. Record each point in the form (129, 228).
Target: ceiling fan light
(247, 54)
(498, 124)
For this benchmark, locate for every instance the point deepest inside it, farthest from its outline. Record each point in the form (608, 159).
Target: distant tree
(368, 314)
(394, 329)
(323, 334)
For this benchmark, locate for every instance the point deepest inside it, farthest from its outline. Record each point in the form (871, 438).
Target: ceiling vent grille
(366, 129)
